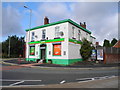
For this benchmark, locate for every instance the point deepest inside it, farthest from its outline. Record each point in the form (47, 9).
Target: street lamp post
(9, 47)
(29, 29)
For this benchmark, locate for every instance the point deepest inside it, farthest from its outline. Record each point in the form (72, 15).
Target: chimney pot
(46, 20)
(80, 23)
(97, 43)
(83, 25)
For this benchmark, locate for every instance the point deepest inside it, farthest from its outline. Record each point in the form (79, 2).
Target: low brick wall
(111, 58)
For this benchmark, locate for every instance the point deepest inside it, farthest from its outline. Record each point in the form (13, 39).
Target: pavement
(82, 65)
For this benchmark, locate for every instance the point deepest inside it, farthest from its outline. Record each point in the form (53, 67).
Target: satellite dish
(61, 33)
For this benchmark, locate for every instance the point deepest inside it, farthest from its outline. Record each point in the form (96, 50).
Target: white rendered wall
(73, 49)
(83, 34)
(50, 33)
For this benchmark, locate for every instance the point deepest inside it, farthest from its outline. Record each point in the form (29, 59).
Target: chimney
(46, 20)
(97, 43)
(83, 25)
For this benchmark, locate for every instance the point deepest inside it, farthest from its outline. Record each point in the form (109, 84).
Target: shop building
(57, 43)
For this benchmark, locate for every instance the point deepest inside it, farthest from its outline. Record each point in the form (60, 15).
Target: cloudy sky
(101, 17)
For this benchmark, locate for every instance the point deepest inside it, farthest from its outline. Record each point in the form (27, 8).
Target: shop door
(43, 54)
(43, 51)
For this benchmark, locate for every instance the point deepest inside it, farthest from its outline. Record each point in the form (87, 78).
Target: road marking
(23, 85)
(16, 83)
(84, 79)
(17, 80)
(62, 82)
(94, 78)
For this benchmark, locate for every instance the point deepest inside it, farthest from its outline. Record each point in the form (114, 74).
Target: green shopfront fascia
(54, 61)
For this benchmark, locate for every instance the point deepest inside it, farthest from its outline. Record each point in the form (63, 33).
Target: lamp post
(29, 29)
(9, 47)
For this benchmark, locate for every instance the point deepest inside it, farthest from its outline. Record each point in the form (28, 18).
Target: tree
(113, 42)
(16, 46)
(86, 49)
(106, 43)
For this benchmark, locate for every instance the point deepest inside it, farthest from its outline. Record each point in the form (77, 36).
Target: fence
(111, 55)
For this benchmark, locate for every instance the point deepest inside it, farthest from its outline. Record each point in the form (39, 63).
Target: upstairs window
(79, 34)
(73, 32)
(43, 34)
(33, 36)
(57, 29)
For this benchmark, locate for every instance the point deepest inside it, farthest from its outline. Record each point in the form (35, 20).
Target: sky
(101, 17)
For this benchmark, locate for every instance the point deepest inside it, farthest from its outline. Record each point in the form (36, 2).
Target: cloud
(53, 10)
(101, 18)
(11, 22)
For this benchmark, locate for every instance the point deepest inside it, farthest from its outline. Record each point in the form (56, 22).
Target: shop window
(56, 49)
(49, 52)
(32, 50)
(64, 52)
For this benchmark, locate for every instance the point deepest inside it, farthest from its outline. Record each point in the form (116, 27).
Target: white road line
(8, 80)
(16, 83)
(22, 85)
(62, 82)
(33, 80)
(17, 80)
(83, 78)
(99, 78)
(85, 81)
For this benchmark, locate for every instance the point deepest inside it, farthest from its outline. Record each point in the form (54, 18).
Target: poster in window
(32, 50)
(56, 49)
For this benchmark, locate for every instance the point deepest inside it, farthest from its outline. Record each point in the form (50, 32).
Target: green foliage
(106, 43)
(16, 46)
(86, 49)
(113, 42)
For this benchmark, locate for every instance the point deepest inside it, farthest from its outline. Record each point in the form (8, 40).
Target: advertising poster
(57, 50)
(93, 55)
(100, 54)
(32, 50)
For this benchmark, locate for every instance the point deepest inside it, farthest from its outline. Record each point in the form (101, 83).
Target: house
(117, 45)
(57, 43)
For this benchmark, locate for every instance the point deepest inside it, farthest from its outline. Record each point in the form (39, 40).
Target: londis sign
(57, 50)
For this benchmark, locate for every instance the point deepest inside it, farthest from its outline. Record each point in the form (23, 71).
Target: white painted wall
(72, 50)
(50, 33)
(82, 35)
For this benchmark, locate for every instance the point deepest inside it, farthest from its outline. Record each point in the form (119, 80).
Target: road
(26, 76)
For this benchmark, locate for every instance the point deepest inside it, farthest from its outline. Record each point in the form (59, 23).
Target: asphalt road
(45, 76)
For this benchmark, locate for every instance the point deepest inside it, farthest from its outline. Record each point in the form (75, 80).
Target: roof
(117, 45)
(93, 37)
(58, 22)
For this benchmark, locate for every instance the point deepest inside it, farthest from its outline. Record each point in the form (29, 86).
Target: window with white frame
(79, 35)
(73, 31)
(33, 36)
(57, 29)
(43, 34)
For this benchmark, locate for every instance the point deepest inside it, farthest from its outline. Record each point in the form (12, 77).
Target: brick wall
(111, 55)
(111, 58)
